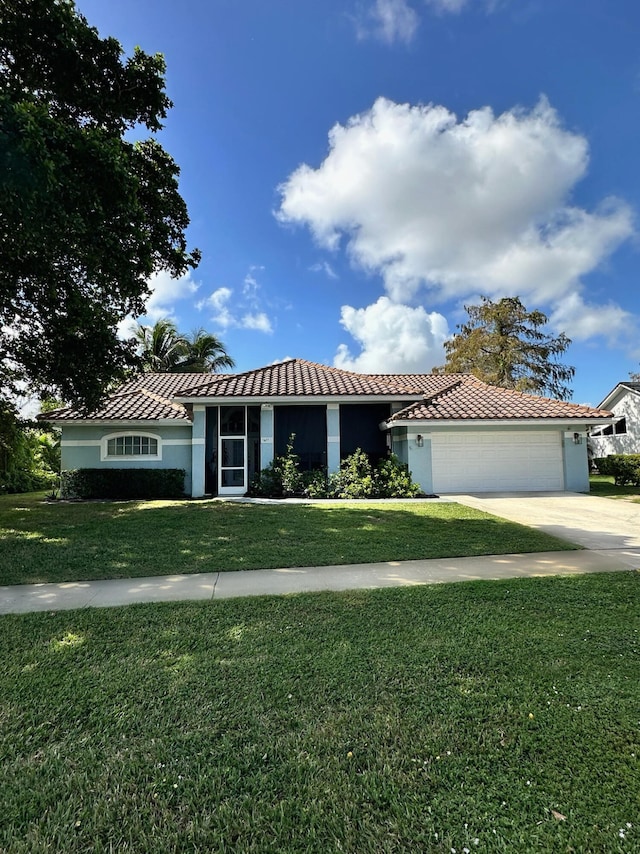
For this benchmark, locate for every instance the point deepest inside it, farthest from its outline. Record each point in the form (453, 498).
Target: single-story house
(455, 433)
(623, 436)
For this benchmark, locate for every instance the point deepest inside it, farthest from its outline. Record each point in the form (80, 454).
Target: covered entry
(490, 461)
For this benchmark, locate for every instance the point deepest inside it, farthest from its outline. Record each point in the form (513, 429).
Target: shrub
(393, 480)
(624, 468)
(123, 483)
(282, 478)
(357, 478)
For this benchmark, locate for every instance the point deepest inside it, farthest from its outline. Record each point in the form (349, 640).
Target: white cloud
(324, 267)
(258, 321)
(393, 338)
(458, 207)
(218, 301)
(581, 320)
(231, 311)
(165, 293)
(389, 21)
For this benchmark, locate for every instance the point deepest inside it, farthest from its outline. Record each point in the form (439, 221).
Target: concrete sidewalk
(21, 599)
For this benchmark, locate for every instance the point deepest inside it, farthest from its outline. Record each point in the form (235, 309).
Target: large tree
(503, 344)
(86, 214)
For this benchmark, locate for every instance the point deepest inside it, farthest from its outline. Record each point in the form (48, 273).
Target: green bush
(624, 468)
(393, 480)
(282, 478)
(357, 478)
(123, 483)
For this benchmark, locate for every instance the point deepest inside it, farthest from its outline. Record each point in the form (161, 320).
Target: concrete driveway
(599, 524)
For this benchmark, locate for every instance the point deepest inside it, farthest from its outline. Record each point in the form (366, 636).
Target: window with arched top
(131, 446)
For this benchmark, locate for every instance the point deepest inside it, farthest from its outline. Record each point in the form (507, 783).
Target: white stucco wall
(627, 406)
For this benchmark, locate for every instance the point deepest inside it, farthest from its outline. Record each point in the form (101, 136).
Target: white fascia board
(120, 424)
(616, 395)
(426, 423)
(233, 400)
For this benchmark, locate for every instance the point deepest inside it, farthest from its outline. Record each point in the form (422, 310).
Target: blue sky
(357, 171)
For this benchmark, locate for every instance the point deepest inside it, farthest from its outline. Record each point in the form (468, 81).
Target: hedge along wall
(122, 483)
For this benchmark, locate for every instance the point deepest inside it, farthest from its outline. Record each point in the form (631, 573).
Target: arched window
(131, 446)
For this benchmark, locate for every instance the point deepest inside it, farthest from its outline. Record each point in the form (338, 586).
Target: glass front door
(232, 451)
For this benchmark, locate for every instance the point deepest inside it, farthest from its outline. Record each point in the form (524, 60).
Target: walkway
(21, 599)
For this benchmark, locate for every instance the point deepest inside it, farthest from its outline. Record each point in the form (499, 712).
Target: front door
(232, 451)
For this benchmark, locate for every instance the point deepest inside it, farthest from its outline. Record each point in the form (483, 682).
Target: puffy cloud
(218, 301)
(229, 311)
(165, 293)
(258, 321)
(459, 207)
(393, 338)
(581, 320)
(389, 21)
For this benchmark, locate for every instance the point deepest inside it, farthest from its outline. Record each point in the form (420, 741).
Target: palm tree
(161, 346)
(204, 352)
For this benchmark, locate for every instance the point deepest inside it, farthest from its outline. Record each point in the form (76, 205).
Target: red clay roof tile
(438, 397)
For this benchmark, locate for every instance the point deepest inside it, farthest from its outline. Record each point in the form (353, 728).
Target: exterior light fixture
(577, 439)
(419, 441)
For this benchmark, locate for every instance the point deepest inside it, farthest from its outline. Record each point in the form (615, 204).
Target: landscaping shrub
(282, 478)
(624, 468)
(357, 478)
(123, 483)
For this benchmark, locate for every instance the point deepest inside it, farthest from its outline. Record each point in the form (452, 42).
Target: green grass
(604, 486)
(65, 542)
(404, 720)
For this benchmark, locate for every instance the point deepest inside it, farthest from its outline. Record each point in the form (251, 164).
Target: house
(623, 436)
(455, 433)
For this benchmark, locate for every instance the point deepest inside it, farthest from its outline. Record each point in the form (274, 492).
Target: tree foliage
(503, 344)
(86, 215)
(163, 348)
(29, 454)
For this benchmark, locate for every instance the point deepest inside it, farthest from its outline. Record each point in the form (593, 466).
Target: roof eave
(258, 399)
(615, 394)
(497, 422)
(129, 422)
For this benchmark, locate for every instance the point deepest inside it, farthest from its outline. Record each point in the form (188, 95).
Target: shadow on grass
(65, 542)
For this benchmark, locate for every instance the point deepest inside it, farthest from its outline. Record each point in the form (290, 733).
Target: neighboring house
(623, 436)
(456, 433)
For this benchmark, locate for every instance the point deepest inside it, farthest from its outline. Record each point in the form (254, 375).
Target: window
(130, 446)
(621, 426)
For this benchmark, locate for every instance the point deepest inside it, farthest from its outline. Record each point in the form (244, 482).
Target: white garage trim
(477, 461)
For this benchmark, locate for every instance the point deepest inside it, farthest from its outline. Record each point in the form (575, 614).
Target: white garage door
(526, 461)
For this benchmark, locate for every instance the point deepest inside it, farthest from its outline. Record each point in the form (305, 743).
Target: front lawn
(66, 542)
(604, 486)
(484, 716)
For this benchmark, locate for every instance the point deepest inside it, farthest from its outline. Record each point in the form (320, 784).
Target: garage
(518, 461)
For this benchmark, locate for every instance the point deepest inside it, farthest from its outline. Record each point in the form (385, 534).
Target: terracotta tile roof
(297, 378)
(146, 397)
(467, 398)
(458, 397)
